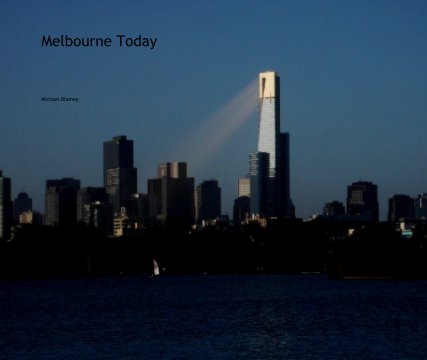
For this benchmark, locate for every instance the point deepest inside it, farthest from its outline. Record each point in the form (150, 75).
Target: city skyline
(353, 95)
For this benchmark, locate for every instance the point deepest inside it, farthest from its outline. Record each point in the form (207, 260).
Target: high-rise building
(258, 175)
(400, 206)
(269, 122)
(276, 194)
(362, 200)
(22, 203)
(120, 176)
(60, 201)
(5, 206)
(208, 200)
(174, 193)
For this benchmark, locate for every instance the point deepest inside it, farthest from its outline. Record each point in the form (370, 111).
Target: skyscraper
(174, 193)
(120, 177)
(208, 200)
(258, 175)
(275, 195)
(362, 200)
(5, 206)
(269, 118)
(60, 201)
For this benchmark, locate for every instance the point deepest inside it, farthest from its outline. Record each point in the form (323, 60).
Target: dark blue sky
(353, 76)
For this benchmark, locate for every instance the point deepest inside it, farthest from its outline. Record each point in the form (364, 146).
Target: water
(213, 317)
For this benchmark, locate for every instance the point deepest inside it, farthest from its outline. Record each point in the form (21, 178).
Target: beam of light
(205, 141)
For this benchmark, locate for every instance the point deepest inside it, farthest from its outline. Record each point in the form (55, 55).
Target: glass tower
(271, 193)
(269, 117)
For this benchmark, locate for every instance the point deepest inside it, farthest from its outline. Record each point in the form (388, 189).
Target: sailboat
(156, 270)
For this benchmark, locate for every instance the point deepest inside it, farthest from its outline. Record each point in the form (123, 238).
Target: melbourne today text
(121, 40)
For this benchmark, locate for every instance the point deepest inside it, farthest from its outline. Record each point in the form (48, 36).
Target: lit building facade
(269, 118)
(244, 187)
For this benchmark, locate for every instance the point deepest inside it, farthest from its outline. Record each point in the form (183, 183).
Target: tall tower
(120, 177)
(5, 206)
(269, 117)
(275, 194)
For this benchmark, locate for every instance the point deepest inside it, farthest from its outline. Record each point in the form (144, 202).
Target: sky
(353, 92)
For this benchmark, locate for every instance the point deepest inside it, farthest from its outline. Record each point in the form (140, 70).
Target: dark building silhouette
(334, 208)
(5, 206)
(174, 193)
(138, 210)
(258, 174)
(99, 214)
(284, 183)
(241, 209)
(22, 203)
(61, 201)
(87, 196)
(94, 209)
(400, 206)
(362, 200)
(208, 200)
(120, 176)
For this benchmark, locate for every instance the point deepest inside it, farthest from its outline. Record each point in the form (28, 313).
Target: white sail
(156, 270)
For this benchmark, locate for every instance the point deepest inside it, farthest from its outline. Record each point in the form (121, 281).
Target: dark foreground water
(213, 317)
